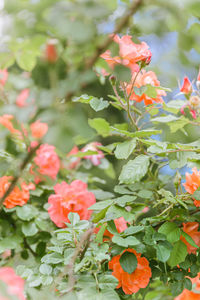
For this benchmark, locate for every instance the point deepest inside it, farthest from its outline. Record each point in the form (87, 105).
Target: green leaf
(10, 242)
(6, 60)
(52, 258)
(178, 254)
(171, 230)
(132, 230)
(74, 218)
(100, 125)
(189, 239)
(151, 91)
(99, 104)
(176, 288)
(101, 205)
(187, 284)
(128, 262)
(115, 211)
(134, 170)
(26, 212)
(125, 242)
(45, 269)
(165, 119)
(100, 215)
(99, 236)
(178, 124)
(107, 294)
(107, 281)
(163, 252)
(26, 60)
(139, 91)
(95, 103)
(29, 229)
(141, 133)
(125, 149)
(196, 195)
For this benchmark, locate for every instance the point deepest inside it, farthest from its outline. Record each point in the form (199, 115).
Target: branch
(69, 269)
(16, 178)
(123, 23)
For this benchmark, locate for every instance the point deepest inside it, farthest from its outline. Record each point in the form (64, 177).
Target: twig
(123, 23)
(29, 248)
(16, 178)
(69, 269)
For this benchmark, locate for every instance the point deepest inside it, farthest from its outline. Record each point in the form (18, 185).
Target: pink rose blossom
(47, 160)
(22, 97)
(129, 53)
(14, 283)
(68, 198)
(95, 158)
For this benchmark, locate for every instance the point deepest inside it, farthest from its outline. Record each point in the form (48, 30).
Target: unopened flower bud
(194, 101)
(112, 79)
(177, 179)
(51, 52)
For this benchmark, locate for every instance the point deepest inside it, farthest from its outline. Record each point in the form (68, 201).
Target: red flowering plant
(88, 209)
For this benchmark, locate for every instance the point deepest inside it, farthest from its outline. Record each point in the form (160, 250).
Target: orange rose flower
(191, 295)
(186, 86)
(129, 53)
(191, 228)
(19, 196)
(131, 283)
(142, 79)
(192, 183)
(38, 129)
(68, 198)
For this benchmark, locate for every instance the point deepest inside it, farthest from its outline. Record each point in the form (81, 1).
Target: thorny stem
(16, 178)
(118, 97)
(69, 269)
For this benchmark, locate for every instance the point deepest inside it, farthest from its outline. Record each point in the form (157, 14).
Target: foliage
(90, 194)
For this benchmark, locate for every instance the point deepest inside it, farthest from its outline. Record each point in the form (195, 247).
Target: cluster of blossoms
(38, 129)
(135, 57)
(192, 96)
(75, 196)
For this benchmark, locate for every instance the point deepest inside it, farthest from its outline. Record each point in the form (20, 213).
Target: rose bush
(99, 162)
